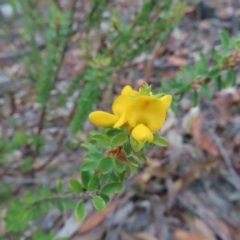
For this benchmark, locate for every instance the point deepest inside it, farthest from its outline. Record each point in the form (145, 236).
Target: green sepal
(136, 146)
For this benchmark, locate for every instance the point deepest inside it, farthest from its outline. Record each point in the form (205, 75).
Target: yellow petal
(142, 134)
(102, 119)
(121, 121)
(119, 108)
(146, 110)
(127, 89)
(166, 100)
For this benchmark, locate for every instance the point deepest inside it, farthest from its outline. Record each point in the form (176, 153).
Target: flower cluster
(140, 111)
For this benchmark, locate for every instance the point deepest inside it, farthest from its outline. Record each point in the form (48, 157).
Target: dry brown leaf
(144, 236)
(177, 61)
(126, 236)
(223, 228)
(92, 235)
(184, 235)
(203, 228)
(96, 218)
(202, 140)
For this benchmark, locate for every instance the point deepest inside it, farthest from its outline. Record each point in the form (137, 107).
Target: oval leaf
(98, 203)
(88, 166)
(120, 167)
(111, 188)
(94, 183)
(206, 91)
(106, 164)
(160, 141)
(80, 211)
(75, 185)
(127, 149)
(85, 177)
(119, 139)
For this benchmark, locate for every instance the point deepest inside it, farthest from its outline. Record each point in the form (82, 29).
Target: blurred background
(61, 59)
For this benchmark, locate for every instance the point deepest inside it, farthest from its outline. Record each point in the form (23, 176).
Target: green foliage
(198, 79)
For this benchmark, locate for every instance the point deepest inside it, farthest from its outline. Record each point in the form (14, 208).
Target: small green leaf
(213, 73)
(80, 211)
(188, 70)
(58, 204)
(85, 177)
(202, 64)
(105, 198)
(69, 203)
(160, 141)
(120, 167)
(119, 139)
(133, 161)
(225, 42)
(98, 203)
(136, 146)
(105, 177)
(93, 157)
(88, 166)
(106, 164)
(185, 88)
(206, 91)
(141, 155)
(75, 185)
(111, 132)
(90, 147)
(122, 176)
(195, 98)
(111, 188)
(101, 138)
(230, 78)
(94, 183)
(59, 186)
(218, 82)
(127, 149)
(113, 177)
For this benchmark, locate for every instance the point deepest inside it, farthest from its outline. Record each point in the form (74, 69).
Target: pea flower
(141, 112)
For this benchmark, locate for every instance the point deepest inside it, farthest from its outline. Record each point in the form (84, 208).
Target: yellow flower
(142, 114)
(119, 106)
(146, 115)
